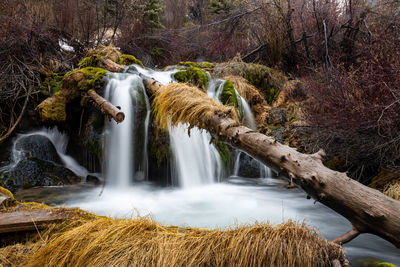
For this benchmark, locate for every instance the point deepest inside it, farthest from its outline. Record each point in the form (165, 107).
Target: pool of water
(237, 201)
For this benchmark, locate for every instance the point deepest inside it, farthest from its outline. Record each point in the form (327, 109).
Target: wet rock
(91, 179)
(38, 146)
(249, 167)
(277, 116)
(38, 165)
(31, 172)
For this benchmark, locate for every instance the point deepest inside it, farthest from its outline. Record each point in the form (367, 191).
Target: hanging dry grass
(179, 103)
(110, 242)
(393, 190)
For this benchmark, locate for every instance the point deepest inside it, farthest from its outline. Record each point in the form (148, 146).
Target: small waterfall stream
(126, 161)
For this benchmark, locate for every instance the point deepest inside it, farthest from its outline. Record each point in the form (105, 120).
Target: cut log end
(119, 117)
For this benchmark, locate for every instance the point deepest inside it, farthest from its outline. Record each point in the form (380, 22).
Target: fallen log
(28, 220)
(368, 210)
(106, 107)
(74, 85)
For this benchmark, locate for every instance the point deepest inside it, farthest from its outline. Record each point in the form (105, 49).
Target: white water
(195, 161)
(60, 142)
(126, 91)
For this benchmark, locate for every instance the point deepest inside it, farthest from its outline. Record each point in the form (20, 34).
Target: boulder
(38, 165)
(37, 146)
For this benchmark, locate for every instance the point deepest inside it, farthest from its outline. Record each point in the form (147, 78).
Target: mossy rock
(202, 65)
(52, 84)
(90, 61)
(129, 60)
(81, 80)
(72, 84)
(230, 97)
(194, 76)
(52, 109)
(269, 81)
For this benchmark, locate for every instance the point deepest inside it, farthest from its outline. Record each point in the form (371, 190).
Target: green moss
(92, 75)
(188, 63)
(267, 79)
(193, 75)
(206, 65)
(53, 109)
(230, 97)
(91, 61)
(225, 154)
(160, 151)
(129, 60)
(385, 264)
(202, 65)
(52, 84)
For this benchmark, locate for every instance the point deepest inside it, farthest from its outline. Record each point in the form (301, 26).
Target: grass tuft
(393, 190)
(110, 242)
(180, 103)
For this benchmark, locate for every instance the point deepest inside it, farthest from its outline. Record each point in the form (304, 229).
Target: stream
(204, 194)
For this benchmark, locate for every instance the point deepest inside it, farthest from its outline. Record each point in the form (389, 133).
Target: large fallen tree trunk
(367, 209)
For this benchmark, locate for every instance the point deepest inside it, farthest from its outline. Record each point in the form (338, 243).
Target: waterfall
(125, 160)
(195, 160)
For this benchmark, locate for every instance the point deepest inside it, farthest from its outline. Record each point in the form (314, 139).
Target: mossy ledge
(73, 83)
(129, 60)
(202, 65)
(269, 81)
(194, 76)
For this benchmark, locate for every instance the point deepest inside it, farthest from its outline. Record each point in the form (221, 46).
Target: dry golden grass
(181, 103)
(246, 90)
(393, 190)
(24, 245)
(110, 242)
(107, 52)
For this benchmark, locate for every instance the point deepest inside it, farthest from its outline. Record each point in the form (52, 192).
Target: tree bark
(106, 107)
(367, 209)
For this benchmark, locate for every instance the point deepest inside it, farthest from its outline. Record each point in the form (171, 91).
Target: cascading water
(214, 90)
(125, 161)
(196, 161)
(60, 142)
